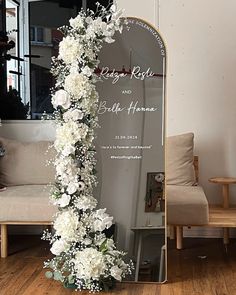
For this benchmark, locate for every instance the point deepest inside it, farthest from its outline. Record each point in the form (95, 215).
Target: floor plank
(202, 268)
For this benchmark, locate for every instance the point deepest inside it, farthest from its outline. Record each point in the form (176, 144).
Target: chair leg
(162, 264)
(179, 237)
(4, 240)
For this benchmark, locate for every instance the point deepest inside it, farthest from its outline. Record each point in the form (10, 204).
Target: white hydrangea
(71, 181)
(101, 220)
(70, 50)
(66, 225)
(89, 264)
(67, 172)
(116, 272)
(59, 246)
(72, 187)
(86, 202)
(78, 85)
(69, 133)
(61, 98)
(77, 22)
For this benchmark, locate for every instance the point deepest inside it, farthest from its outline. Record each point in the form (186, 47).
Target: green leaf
(71, 279)
(103, 247)
(57, 276)
(48, 274)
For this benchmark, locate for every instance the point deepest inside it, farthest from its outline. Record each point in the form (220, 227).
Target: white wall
(201, 81)
(147, 10)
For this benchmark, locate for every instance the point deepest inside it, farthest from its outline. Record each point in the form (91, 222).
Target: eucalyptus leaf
(58, 276)
(71, 279)
(48, 274)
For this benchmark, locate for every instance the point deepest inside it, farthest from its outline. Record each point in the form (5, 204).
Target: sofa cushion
(26, 203)
(179, 160)
(26, 163)
(186, 205)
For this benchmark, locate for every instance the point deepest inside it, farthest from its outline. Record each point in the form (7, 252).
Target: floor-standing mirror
(130, 145)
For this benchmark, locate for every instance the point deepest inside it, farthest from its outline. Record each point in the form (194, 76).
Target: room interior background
(200, 83)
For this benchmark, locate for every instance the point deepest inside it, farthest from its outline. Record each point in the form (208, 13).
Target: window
(37, 34)
(12, 29)
(38, 40)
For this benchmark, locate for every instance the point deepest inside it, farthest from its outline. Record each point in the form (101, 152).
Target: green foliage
(48, 274)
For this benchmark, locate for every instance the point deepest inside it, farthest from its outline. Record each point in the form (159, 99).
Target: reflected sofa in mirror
(130, 145)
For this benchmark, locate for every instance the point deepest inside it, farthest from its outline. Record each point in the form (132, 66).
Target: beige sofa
(187, 204)
(27, 178)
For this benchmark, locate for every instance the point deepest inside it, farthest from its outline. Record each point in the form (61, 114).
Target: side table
(140, 233)
(225, 182)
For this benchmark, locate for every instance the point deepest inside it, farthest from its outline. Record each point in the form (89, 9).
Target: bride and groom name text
(117, 108)
(135, 73)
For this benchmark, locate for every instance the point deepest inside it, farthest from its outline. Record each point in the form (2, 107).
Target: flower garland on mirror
(84, 257)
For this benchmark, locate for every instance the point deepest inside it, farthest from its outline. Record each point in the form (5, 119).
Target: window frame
(18, 54)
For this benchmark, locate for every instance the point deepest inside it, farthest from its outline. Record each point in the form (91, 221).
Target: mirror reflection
(130, 145)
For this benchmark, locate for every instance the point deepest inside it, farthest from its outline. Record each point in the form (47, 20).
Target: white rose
(64, 200)
(68, 150)
(116, 273)
(72, 188)
(59, 246)
(61, 98)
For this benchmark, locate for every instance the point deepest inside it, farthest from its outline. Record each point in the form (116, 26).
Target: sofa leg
(3, 240)
(179, 237)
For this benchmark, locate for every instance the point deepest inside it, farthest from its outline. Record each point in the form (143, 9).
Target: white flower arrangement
(84, 257)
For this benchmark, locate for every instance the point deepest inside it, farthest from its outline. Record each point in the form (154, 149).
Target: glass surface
(130, 144)
(12, 28)
(44, 19)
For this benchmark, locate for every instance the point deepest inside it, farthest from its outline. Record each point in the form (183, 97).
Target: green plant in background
(12, 107)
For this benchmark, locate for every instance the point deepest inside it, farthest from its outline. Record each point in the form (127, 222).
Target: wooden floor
(202, 268)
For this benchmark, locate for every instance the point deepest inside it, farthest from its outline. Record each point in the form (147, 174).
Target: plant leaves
(48, 274)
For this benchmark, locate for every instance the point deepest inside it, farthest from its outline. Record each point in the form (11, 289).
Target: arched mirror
(130, 145)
